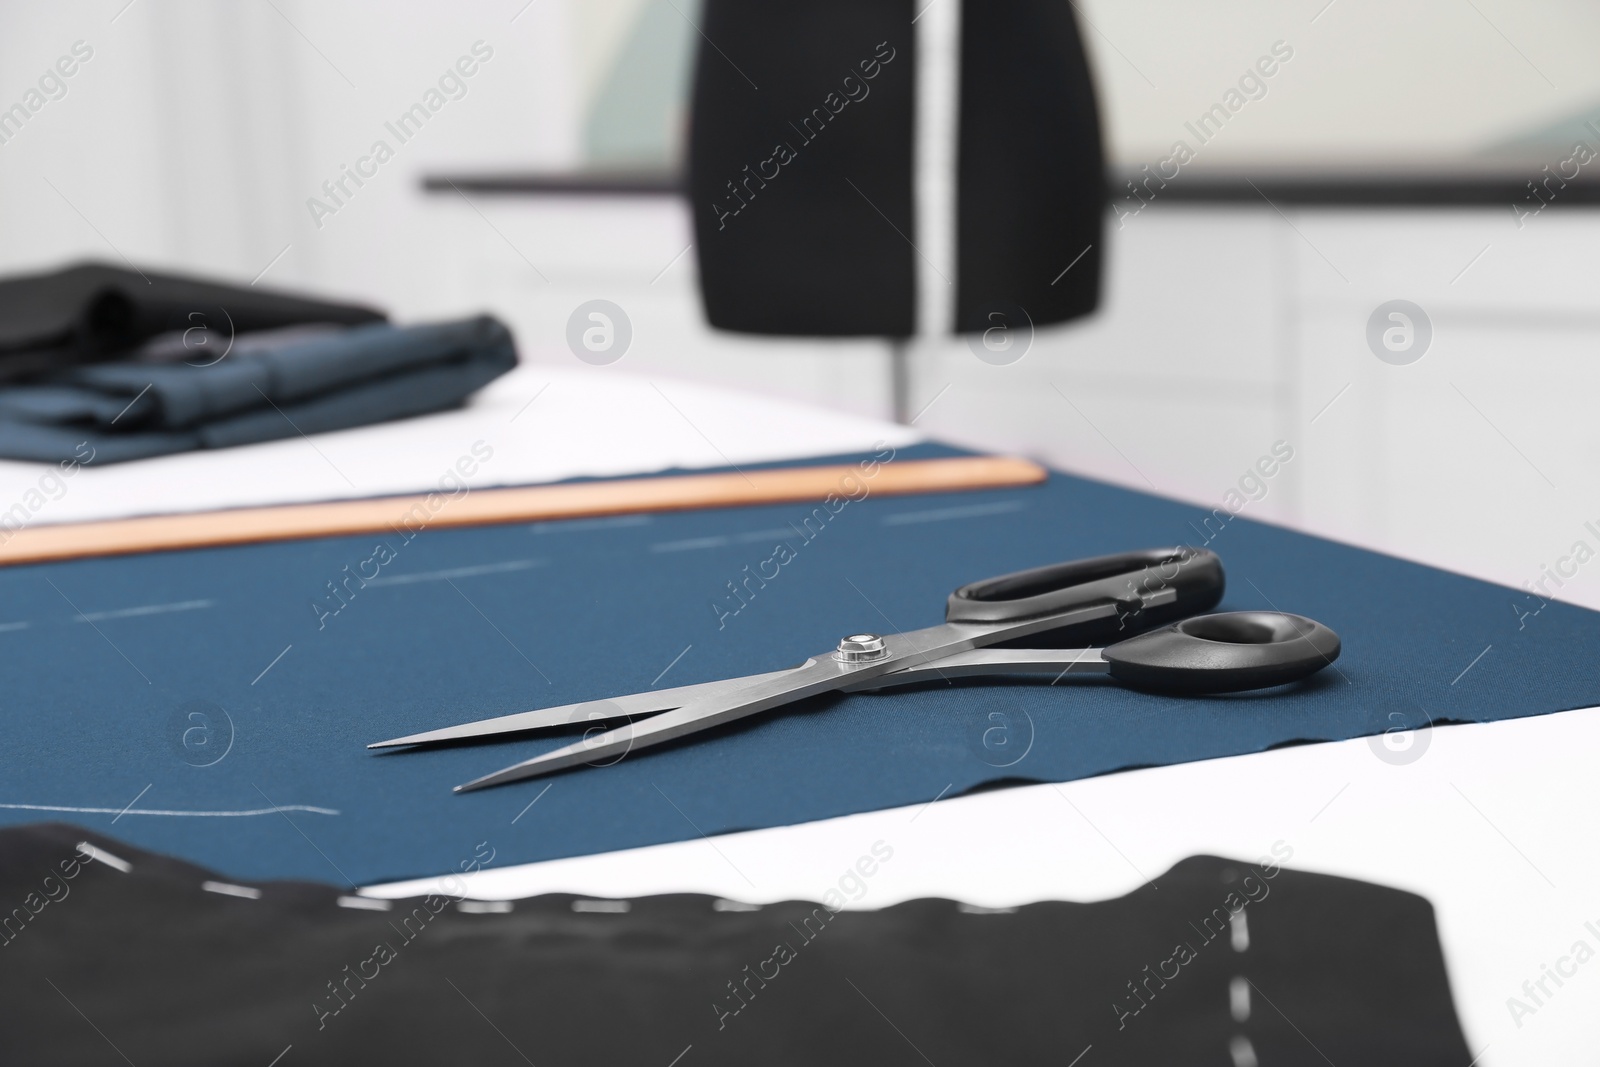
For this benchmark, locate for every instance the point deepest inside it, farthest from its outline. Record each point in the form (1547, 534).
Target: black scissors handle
(1162, 591)
(1147, 587)
(1226, 653)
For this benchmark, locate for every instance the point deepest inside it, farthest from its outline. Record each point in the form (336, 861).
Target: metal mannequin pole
(900, 378)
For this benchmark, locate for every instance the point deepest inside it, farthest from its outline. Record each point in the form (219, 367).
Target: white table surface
(544, 423)
(1496, 824)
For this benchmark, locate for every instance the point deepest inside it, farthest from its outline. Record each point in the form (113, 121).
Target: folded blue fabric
(266, 386)
(224, 697)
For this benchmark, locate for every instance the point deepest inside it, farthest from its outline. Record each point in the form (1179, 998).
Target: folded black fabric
(1215, 962)
(266, 386)
(92, 312)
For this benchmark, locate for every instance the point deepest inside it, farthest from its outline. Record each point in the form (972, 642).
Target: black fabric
(1031, 185)
(822, 248)
(825, 247)
(266, 386)
(152, 962)
(91, 312)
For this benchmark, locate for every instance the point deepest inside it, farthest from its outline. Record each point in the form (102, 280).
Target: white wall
(198, 131)
(1371, 81)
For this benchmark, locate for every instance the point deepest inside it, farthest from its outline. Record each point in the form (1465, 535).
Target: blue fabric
(467, 623)
(273, 386)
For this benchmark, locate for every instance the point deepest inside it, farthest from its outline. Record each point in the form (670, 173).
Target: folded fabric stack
(100, 364)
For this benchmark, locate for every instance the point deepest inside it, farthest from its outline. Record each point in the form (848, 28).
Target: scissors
(1157, 595)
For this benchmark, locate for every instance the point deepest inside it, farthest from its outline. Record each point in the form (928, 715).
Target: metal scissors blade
(811, 677)
(792, 685)
(963, 664)
(584, 711)
(819, 674)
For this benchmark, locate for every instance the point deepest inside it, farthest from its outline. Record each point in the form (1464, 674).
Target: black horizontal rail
(574, 183)
(1526, 189)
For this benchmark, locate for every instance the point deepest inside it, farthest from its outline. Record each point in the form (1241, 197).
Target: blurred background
(1404, 152)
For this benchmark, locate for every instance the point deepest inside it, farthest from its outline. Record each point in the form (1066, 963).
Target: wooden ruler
(406, 515)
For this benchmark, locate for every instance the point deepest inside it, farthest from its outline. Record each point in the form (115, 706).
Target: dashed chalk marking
(228, 889)
(116, 863)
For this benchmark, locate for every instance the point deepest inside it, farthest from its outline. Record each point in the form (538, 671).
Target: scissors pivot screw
(859, 648)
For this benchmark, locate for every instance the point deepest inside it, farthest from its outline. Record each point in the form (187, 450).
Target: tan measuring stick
(535, 503)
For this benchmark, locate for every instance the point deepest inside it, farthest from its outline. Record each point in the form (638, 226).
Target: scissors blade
(585, 711)
(820, 674)
(915, 648)
(812, 677)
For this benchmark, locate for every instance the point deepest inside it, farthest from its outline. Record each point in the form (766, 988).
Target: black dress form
(801, 166)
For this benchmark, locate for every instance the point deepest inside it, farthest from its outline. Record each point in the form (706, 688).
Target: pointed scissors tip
(517, 772)
(426, 737)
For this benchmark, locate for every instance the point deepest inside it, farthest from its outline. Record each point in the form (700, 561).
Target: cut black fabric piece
(91, 312)
(802, 189)
(1226, 962)
(269, 385)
